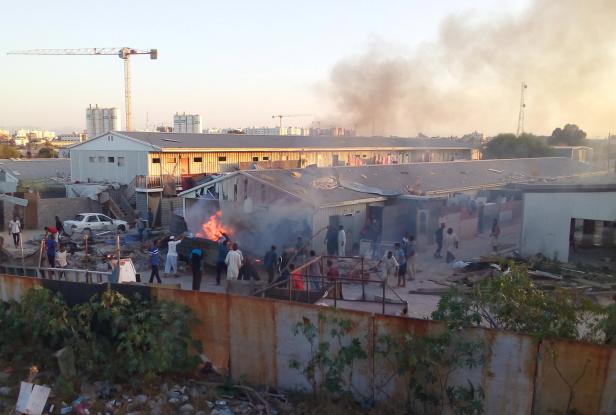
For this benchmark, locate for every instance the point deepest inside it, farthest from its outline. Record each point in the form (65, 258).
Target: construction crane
(522, 106)
(123, 53)
(281, 116)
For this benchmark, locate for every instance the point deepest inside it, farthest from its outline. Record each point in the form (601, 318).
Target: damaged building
(155, 166)
(373, 203)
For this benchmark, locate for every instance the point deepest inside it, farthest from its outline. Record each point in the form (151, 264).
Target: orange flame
(213, 228)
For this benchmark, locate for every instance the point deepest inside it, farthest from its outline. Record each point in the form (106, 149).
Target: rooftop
(218, 141)
(335, 185)
(605, 182)
(37, 168)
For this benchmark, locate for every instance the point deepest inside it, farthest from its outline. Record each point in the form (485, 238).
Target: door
(93, 223)
(106, 222)
(184, 165)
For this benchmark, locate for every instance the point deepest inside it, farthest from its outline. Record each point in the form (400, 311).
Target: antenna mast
(522, 106)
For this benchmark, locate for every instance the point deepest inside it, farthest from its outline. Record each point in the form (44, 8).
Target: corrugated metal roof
(29, 169)
(240, 141)
(324, 186)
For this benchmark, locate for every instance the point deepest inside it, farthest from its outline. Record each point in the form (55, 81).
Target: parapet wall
(252, 339)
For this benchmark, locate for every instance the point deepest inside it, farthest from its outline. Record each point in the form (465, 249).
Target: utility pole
(522, 106)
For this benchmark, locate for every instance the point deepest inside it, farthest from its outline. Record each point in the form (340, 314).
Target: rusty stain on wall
(254, 338)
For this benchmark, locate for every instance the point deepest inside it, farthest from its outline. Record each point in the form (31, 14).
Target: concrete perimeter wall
(252, 338)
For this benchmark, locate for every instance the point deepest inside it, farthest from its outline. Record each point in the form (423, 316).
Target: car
(94, 223)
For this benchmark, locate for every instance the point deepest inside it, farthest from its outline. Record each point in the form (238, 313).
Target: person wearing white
(15, 230)
(61, 260)
(341, 241)
(234, 262)
(172, 256)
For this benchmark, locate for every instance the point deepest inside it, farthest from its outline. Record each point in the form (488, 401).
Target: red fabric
(52, 229)
(297, 282)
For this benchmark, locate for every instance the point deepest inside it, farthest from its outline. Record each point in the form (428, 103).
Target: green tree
(508, 146)
(569, 135)
(47, 153)
(7, 152)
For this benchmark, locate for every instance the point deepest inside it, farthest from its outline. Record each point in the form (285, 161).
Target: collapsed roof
(336, 185)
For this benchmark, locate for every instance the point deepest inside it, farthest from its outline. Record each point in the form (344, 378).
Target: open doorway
(592, 242)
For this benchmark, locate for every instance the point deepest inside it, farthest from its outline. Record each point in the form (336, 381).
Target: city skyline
(237, 64)
(217, 60)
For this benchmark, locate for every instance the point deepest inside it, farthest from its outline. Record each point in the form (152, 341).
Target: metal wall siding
(253, 338)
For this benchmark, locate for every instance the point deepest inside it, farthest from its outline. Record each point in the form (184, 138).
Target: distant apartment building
(5, 134)
(101, 120)
(332, 132)
(294, 131)
(187, 123)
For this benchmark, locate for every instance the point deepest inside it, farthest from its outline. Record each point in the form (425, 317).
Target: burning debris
(213, 228)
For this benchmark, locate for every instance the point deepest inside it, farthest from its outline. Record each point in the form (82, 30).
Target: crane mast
(123, 53)
(521, 114)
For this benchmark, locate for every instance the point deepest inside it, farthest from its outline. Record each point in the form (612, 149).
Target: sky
(236, 62)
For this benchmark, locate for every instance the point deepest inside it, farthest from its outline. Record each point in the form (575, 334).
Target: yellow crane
(123, 53)
(281, 116)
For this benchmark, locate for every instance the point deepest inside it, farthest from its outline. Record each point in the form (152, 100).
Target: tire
(121, 229)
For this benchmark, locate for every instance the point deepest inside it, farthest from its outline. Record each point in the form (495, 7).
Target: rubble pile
(198, 396)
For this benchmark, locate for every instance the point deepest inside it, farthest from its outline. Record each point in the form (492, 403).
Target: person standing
(438, 238)
(451, 242)
(50, 245)
(223, 250)
(341, 241)
(154, 260)
(270, 261)
(248, 271)
(171, 261)
(196, 256)
(15, 230)
(315, 273)
(390, 267)
(297, 281)
(494, 234)
(401, 259)
(59, 226)
(411, 256)
(141, 225)
(234, 262)
(62, 260)
(331, 240)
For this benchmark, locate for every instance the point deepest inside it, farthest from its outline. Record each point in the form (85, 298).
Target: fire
(213, 228)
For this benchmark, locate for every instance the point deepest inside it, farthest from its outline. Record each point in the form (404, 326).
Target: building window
(156, 160)
(111, 159)
(101, 159)
(222, 158)
(265, 158)
(198, 159)
(255, 159)
(121, 161)
(92, 159)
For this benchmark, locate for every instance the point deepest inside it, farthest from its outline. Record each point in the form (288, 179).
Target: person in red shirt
(332, 271)
(297, 281)
(51, 230)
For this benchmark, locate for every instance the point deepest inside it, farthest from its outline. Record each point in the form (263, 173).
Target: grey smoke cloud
(469, 78)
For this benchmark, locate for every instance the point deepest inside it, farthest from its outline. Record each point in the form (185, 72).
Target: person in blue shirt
(221, 267)
(50, 244)
(270, 261)
(154, 262)
(196, 255)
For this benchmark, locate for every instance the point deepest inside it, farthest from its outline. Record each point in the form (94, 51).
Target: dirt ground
(428, 268)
